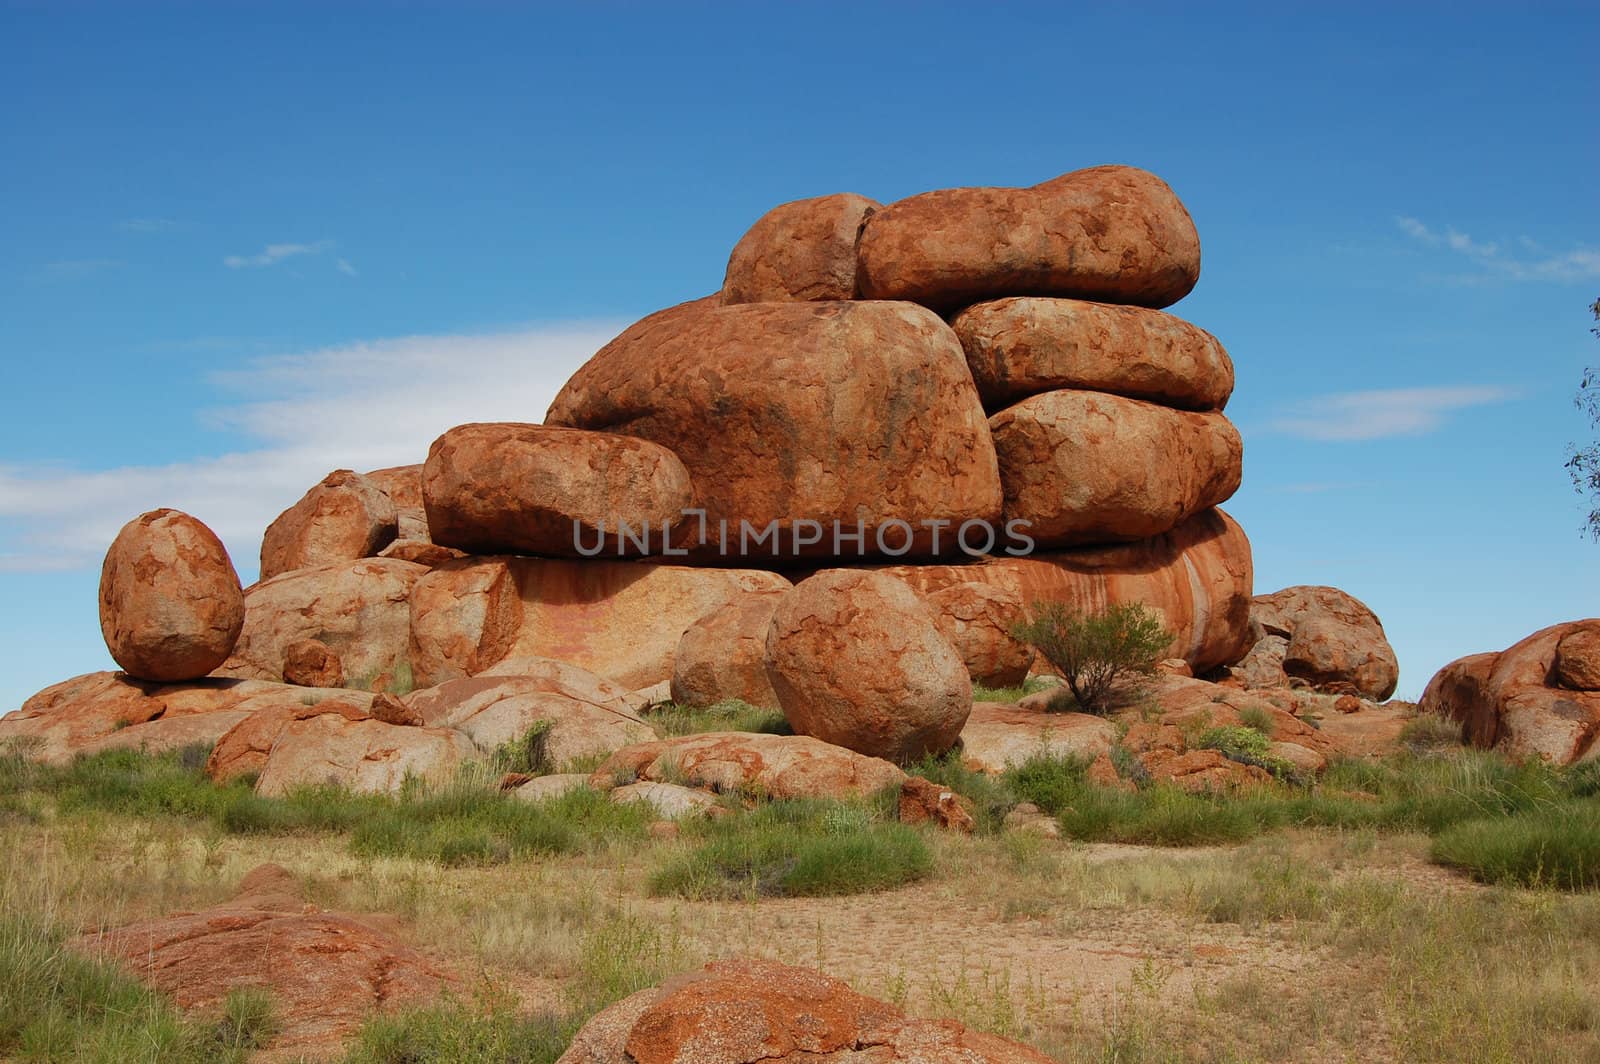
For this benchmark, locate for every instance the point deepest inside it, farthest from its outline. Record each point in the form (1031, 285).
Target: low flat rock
(1002, 735)
(780, 766)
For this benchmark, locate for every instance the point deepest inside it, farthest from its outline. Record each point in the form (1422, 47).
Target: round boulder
(723, 655)
(800, 251)
(170, 602)
(345, 517)
(856, 660)
(977, 619)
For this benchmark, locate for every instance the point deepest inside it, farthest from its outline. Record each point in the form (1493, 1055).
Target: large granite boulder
(1086, 467)
(537, 489)
(795, 417)
(170, 603)
(1335, 642)
(364, 756)
(1111, 233)
(345, 517)
(856, 660)
(723, 655)
(1027, 345)
(800, 251)
(978, 620)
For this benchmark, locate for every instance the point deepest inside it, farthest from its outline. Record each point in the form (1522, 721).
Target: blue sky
(244, 245)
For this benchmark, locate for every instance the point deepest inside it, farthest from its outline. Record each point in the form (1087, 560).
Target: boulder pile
(832, 487)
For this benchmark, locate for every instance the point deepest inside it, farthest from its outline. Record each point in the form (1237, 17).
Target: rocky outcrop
(978, 620)
(1085, 467)
(242, 749)
(465, 616)
(358, 610)
(856, 659)
(326, 971)
(170, 603)
(758, 1012)
(364, 756)
(1460, 692)
(800, 251)
(343, 518)
(777, 766)
(1001, 735)
(858, 413)
(723, 655)
(1335, 643)
(1578, 658)
(1197, 578)
(1111, 233)
(1025, 346)
(536, 489)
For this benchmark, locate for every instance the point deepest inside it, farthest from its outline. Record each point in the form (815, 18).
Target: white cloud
(1578, 264)
(275, 253)
(358, 406)
(345, 268)
(1379, 414)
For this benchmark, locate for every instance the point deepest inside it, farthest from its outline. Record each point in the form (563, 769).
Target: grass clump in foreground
(796, 848)
(670, 719)
(1555, 847)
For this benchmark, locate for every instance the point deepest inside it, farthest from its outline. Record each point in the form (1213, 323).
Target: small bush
(488, 1030)
(1092, 652)
(1430, 731)
(248, 1021)
(1257, 718)
(670, 719)
(1554, 848)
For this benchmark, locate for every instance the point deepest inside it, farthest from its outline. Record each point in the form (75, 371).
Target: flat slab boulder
(778, 766)
(1086, 467)
(747, 1011)
(794, 416)
(1002, 735)
(362, 756)
(538, 489)
(170, 603)
(1335, 642)
(1197, 578)
(360, 610)
(578, 715)
(326, 971)
(620, 620)
(344, 517)
(723, 655)
(856, 659)
(1112, 233)
(1027, 345)
(799, 251)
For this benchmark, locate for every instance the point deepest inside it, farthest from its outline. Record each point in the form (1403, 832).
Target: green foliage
(248, 1021)
(1032, 685)
(1258, 718)
(1556, 847)
(1583, 463)
(1093, 651)
(797, 848)
(528, 753)
(486, 1030)
(1429, 731)
(991, 797)
(670, 719)
(1234, 742)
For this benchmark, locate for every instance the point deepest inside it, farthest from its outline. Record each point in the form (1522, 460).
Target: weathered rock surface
(618, 619)
(402, 484)
(1197, 578)
(242, 749)
(1578, 658)
(420, 551)
(537, 489)
(856, 660)
(170, 603)
(799, 251)
(343, 518)
(312, 663)
(924, 802)
(778, 766)
(1024, 346)
(1001, 735)
(1460, 692)
(1111, 233)
(823, 412)
(747, 1011)
(1201, 771)
(582, 715)
(977, 619)
(670, 800)
(1086, 467)
(360, 610)
(325, 971)
(723, 655)
(1335, 643)
(545, 788)
(364, 756)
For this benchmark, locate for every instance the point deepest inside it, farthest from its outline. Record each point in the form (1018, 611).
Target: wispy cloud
(147, 225)
(273, 254)
(345, 268)
(73, 269)
(359, 406)
(1530, 262)
(1382, 413)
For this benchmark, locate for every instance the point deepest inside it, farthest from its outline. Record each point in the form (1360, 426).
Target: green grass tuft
(1555, 848)
(670, 719)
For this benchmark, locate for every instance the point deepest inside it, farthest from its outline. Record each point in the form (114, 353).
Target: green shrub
(488, 1030)
(1554, 847)
(797, 848)
(1258, 718)
(992, 797)
(1093, 651)
(670, 719)
(1430, 731)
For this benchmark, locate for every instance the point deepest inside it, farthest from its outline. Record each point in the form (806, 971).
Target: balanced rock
(723, 655)
(795, 417)
(170, 603)
(1196, 578)
(538, 489)
(800, 251)
(1112, 233)
(1086, 467)
(747, 1011)
(1027, 345)
(778, 766)
(359, 610)
(856, 659)
(1335, 643)
(343, 518)
(978, 620)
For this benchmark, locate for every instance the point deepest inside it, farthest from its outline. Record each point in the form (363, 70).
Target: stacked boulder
(927, 415)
